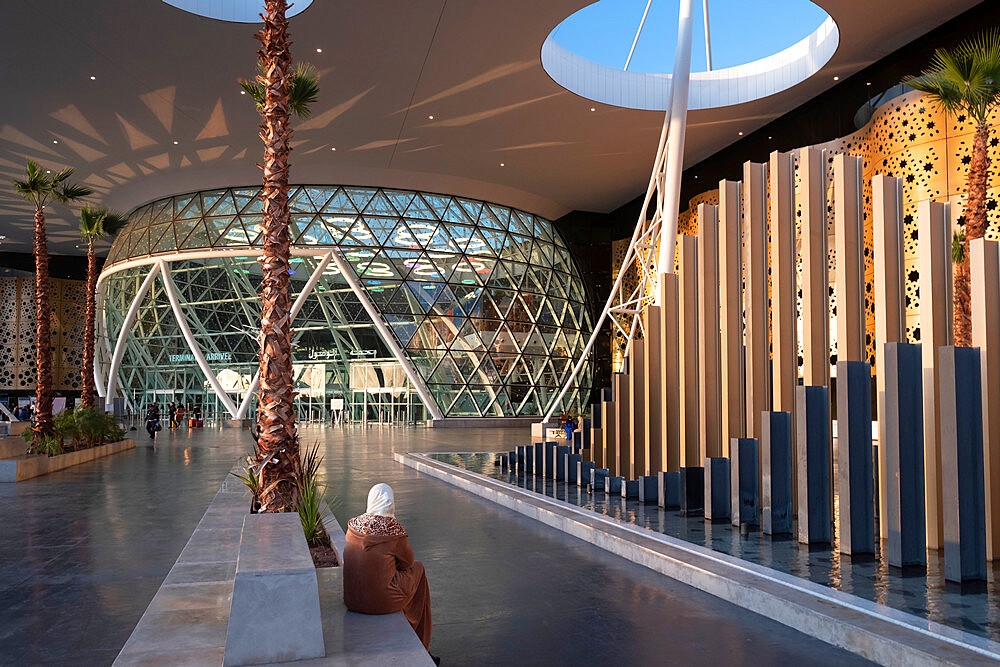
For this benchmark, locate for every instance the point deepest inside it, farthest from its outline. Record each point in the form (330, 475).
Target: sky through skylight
(742, 31)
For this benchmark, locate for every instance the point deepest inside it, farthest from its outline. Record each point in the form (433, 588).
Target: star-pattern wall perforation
(17, 333)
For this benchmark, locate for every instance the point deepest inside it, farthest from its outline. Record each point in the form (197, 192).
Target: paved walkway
(85, 550)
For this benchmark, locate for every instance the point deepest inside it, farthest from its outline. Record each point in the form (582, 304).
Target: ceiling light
(696, 175)
(741, 134)
(175, 143)
(430, 118)
(54, 141)
(243, 92)
(770, 137)
(593, 108)
(836, 78)
(93, 78)
(501, 164)
(333, 149)
(48, 171)
(868, 83)
(319, 50)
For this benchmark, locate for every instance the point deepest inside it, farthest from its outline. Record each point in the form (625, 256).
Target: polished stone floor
(84, 550)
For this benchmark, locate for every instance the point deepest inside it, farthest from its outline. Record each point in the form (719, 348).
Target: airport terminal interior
(673, 326)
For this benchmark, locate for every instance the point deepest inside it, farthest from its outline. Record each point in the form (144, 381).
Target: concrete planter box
(20, 469)
(12, 447)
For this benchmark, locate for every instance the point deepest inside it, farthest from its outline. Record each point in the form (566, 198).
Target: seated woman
(380, 575)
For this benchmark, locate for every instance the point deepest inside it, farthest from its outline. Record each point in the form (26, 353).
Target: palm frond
(114, 222)
(68, 192)
(61, 176)
(92, 222)
(965, 79)
(303, 89)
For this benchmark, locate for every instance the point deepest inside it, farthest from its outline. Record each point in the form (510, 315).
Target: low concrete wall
(877, 632)
(187, 620)
(20, 469)
(12, 446)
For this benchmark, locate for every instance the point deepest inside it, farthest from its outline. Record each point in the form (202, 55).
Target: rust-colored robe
(381, 576)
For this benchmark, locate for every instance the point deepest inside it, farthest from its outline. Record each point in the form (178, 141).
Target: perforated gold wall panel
(17, 333)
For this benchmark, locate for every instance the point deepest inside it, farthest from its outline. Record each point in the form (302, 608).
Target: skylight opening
(234, 11)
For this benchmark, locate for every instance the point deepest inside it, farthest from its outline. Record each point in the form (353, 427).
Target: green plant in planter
(65, 428)
(95, 428)
(311, 498)
(44, 446)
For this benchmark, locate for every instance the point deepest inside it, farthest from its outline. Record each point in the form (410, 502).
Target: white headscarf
(380, 501)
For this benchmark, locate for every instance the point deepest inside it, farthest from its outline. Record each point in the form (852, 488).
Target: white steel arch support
(387, 336)
(300, 301)
(116, 357)
(680, 83)
(168, 284)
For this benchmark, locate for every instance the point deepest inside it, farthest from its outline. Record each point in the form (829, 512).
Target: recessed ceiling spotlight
(593, 108)
(430, 118)
(333, 148)
(770, 137)
(243, 92)
(741, 133)
(319, 50)
(48, 171)
(501, 164)
(175, 143)
(868, 83)
(836, 78)
(696, 175)
(93, 78)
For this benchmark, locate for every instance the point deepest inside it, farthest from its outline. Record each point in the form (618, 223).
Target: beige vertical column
(815, 269)
(849, 266)
(934, 234)
(637, 411)
(670, 379)
(652, 392)
(784, 312)
(688, 341)
(890, 304)
(623, 426)
(604, 457)
(731, 313)
(709, 362)
(756, 306)
(985, 267)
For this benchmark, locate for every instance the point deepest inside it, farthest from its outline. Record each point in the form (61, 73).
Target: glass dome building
(408, 302)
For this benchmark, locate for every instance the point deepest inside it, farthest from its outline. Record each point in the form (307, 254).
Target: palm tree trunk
(44, 426)
(975, 227)
(89, 317)
(276, 440)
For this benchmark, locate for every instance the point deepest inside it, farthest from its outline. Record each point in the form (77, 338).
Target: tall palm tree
(39, 188)
(966, 81)
(277, 444)
(95, 224)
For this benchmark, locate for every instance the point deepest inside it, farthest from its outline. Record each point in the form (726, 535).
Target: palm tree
(966, 81)
(273, 89)
(95, 223)
(39, 188)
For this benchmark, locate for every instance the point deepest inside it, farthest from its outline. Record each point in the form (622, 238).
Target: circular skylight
(758, 48)
(235, 11)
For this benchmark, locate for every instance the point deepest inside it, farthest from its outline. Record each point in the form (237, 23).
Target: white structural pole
(637, 33)
(708, 37)
(679, 85)
(175, 305)
(116, 357)
(100, 335)
(387, 336)
(300, 301)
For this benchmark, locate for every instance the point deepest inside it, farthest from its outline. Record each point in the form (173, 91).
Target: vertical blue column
(776, 472)
(520, 457)
(692, 491)
(539, 463)
(577, 443)
(962, 482)
(717, 490)
(570, 462)
(855, 476)
(585, 434)
(549, 460)
(812, 424)
(560, 467)
(648, 489)
(584, 472)
(668, 490)
(904, 454)
(744, 471)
